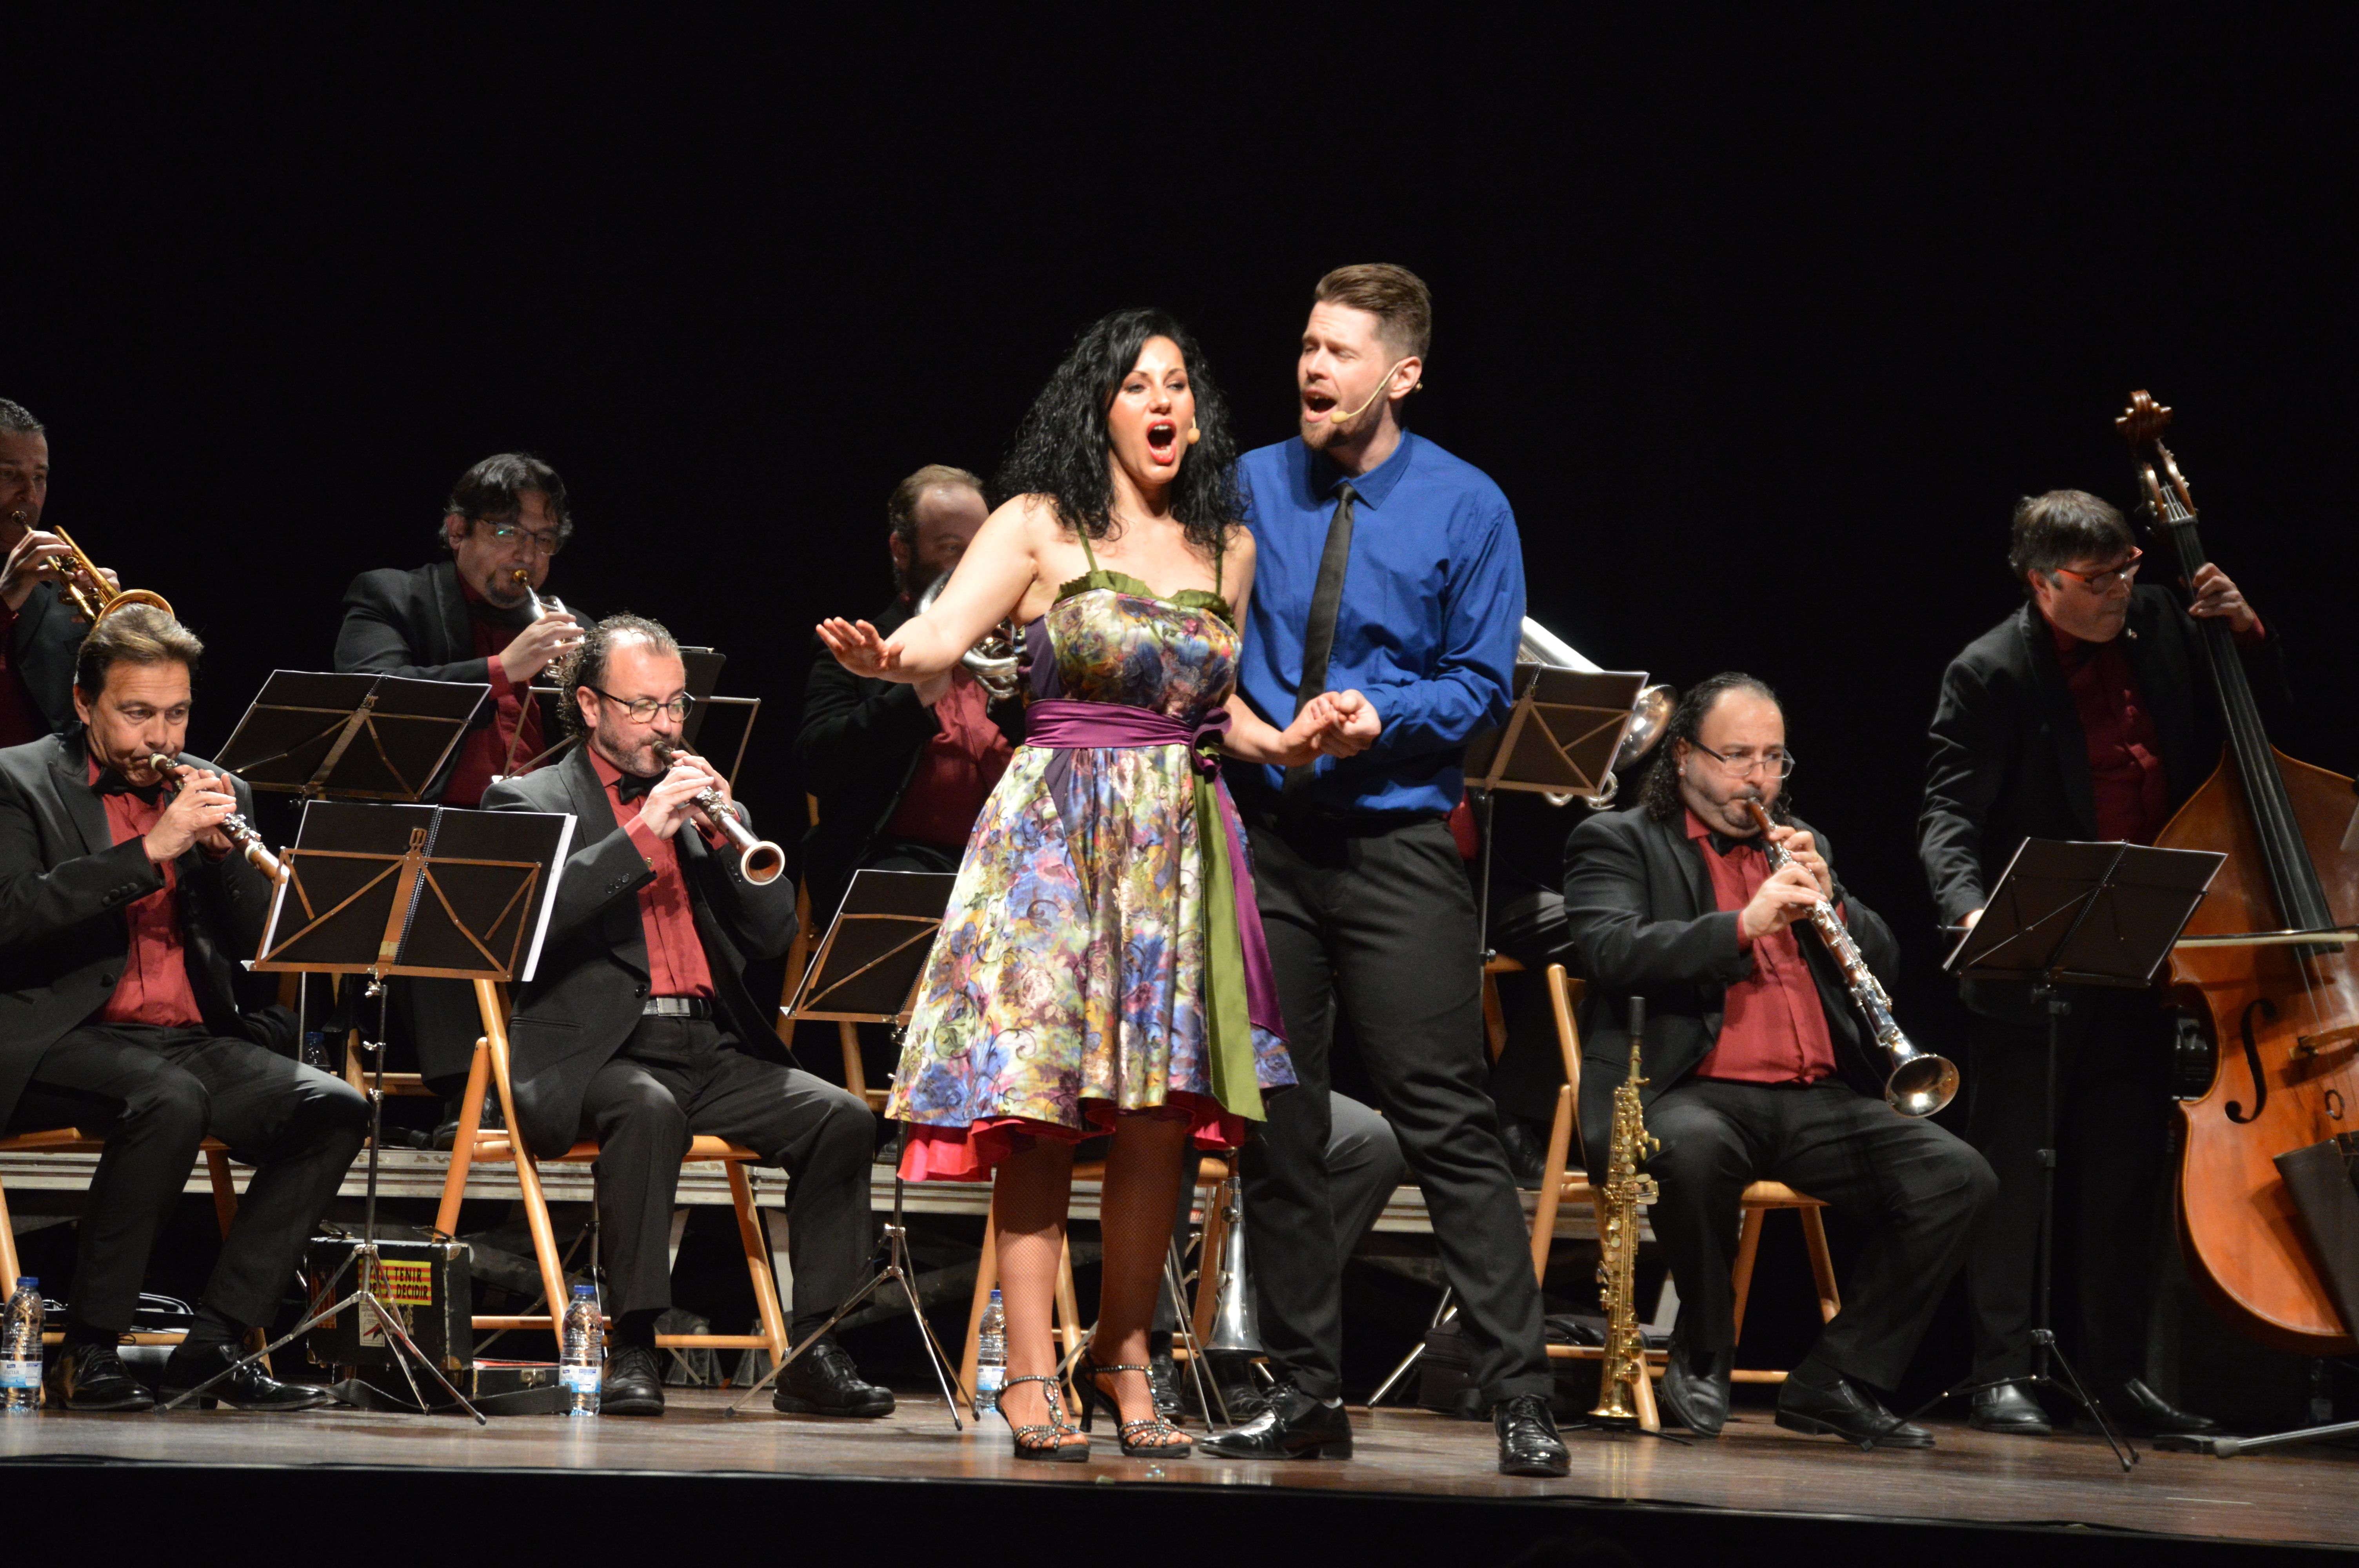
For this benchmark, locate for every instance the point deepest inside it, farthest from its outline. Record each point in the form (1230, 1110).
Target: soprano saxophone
(1921, 1083)
(1625, 1397)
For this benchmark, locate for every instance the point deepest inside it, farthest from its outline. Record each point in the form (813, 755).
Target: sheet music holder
(2085, 914)
(874, 952)
(354, 737)
(1562, 734)
(416, 890)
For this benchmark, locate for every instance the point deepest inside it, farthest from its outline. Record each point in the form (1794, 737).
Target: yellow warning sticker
(406, 1282)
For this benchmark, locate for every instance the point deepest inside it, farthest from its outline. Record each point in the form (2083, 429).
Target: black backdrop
(1762, 324)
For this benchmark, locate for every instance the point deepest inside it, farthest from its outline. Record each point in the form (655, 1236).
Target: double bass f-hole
(2268, 1011)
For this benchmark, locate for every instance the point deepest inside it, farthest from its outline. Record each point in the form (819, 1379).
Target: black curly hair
(1061, 450)
(1660, 796)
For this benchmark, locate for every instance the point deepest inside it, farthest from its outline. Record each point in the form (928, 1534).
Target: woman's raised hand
(858, 648)
(1343, 723)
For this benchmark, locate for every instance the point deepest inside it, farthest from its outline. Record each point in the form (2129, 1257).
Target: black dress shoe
(1527, 1146)
(1528, 1445)
(248, 1389)
(823, 1382)
(1697, 1399)
(1295, 1426)
(2009, 1409)
(94, 1377)
(1163, 1383)
(2136, 1408)
(633, 1384)
(446, 1131)
(1841, 1408)
(1237, 1396)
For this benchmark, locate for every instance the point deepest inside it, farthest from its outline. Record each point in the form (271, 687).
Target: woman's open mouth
(1163, 441)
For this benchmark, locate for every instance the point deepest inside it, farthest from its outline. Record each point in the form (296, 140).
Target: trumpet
(240, 832)
(541, 610)
(1650, 713)
(1919, 1083)
(87, 589)
(993, 659)
(758, 859)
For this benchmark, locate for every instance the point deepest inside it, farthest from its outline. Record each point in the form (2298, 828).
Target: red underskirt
(968, 1154)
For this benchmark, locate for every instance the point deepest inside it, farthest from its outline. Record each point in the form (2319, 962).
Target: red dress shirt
(956, 771)
(676, 964)
(154, 989)
(1773, 1028)
(484, 754)
(21, 719)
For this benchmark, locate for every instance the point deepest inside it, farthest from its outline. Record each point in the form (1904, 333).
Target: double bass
(2279, 1004)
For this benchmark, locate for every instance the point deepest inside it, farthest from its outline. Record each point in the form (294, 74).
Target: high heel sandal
(1029, 1443)
(1149, 1439)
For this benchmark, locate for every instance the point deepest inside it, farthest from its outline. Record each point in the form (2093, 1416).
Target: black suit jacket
(415, 624)
(587, 994)
(857, 751)
(2010, 760)
(1643, 922)
(63, 885)
(43, 646)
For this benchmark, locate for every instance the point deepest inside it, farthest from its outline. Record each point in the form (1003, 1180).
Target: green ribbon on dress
(1228, 1027)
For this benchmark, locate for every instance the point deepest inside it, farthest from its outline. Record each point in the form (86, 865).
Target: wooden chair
(1067, 1324)
(1563, 1182)
(800, 954)
(475, 1144)
(1494, 1017)
(69, 1141)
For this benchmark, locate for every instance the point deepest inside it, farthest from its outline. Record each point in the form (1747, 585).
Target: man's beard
(639, 761)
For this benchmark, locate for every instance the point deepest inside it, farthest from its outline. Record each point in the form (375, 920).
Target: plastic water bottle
(991, 1357)
(577, 1368)
(20, 1349)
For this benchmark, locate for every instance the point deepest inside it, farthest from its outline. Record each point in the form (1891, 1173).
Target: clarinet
(240, 832)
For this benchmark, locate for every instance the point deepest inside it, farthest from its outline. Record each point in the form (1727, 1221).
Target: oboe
(240, 832)
(1919, 1083)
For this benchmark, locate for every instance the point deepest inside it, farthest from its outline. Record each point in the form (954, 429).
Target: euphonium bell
(992, 660)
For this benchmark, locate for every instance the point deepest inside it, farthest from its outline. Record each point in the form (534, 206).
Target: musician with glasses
(40, 633)
(1758, 1065)
(2086, 714)
(467, 618)
(639, 1032)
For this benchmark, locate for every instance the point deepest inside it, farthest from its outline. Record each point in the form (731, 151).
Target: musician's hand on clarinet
(193, 814)
(713, 782)
(1804, 847)
(860, 648)
(2215, 596)
(549, 638)
(673, 799)
(1787, 896)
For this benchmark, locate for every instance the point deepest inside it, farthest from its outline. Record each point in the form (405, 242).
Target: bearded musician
(1758, 1065)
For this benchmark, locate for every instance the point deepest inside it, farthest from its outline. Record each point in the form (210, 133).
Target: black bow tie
(112, 782)
(631, 786)
(1721, 843)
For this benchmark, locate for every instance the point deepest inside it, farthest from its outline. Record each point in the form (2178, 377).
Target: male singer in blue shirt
(1389, 566)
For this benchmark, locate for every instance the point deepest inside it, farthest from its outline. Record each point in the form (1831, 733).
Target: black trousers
(1364, 1166)
(1917, 1190)
(156, 1094)
(2112, 1107)
(1527, 924)
(678, 1077)
(1381, 922)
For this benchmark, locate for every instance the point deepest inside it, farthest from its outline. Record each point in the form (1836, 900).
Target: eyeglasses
(643, 709)
(2104, 581)
(543, 541)
(1742, 760)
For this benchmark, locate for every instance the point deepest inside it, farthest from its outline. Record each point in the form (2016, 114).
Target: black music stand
(406, 890)
(2067, 914)
(867, 971)
(1560, 741)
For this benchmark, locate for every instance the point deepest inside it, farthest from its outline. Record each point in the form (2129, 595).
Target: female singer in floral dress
(1101, 967)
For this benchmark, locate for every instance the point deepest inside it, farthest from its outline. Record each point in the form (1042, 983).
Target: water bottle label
(20, 1374)
(579, 1380)
(990, 1379)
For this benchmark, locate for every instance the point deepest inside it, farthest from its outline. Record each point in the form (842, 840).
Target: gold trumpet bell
(129, 597)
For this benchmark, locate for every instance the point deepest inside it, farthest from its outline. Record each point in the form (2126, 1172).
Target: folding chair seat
(1563, 1181)
(476, 1144)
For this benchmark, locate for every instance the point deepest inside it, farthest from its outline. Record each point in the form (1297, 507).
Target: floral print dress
(1102, 953)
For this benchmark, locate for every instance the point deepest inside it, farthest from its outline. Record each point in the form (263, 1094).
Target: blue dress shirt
(1434, 607)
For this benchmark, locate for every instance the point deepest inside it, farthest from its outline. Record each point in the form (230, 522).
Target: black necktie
(112, 782)
(1319, 636)
(631, 786)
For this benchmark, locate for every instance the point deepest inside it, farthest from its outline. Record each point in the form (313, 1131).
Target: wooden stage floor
(2306, 1496)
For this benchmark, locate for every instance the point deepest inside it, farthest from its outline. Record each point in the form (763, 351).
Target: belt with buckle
(677, 1007)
